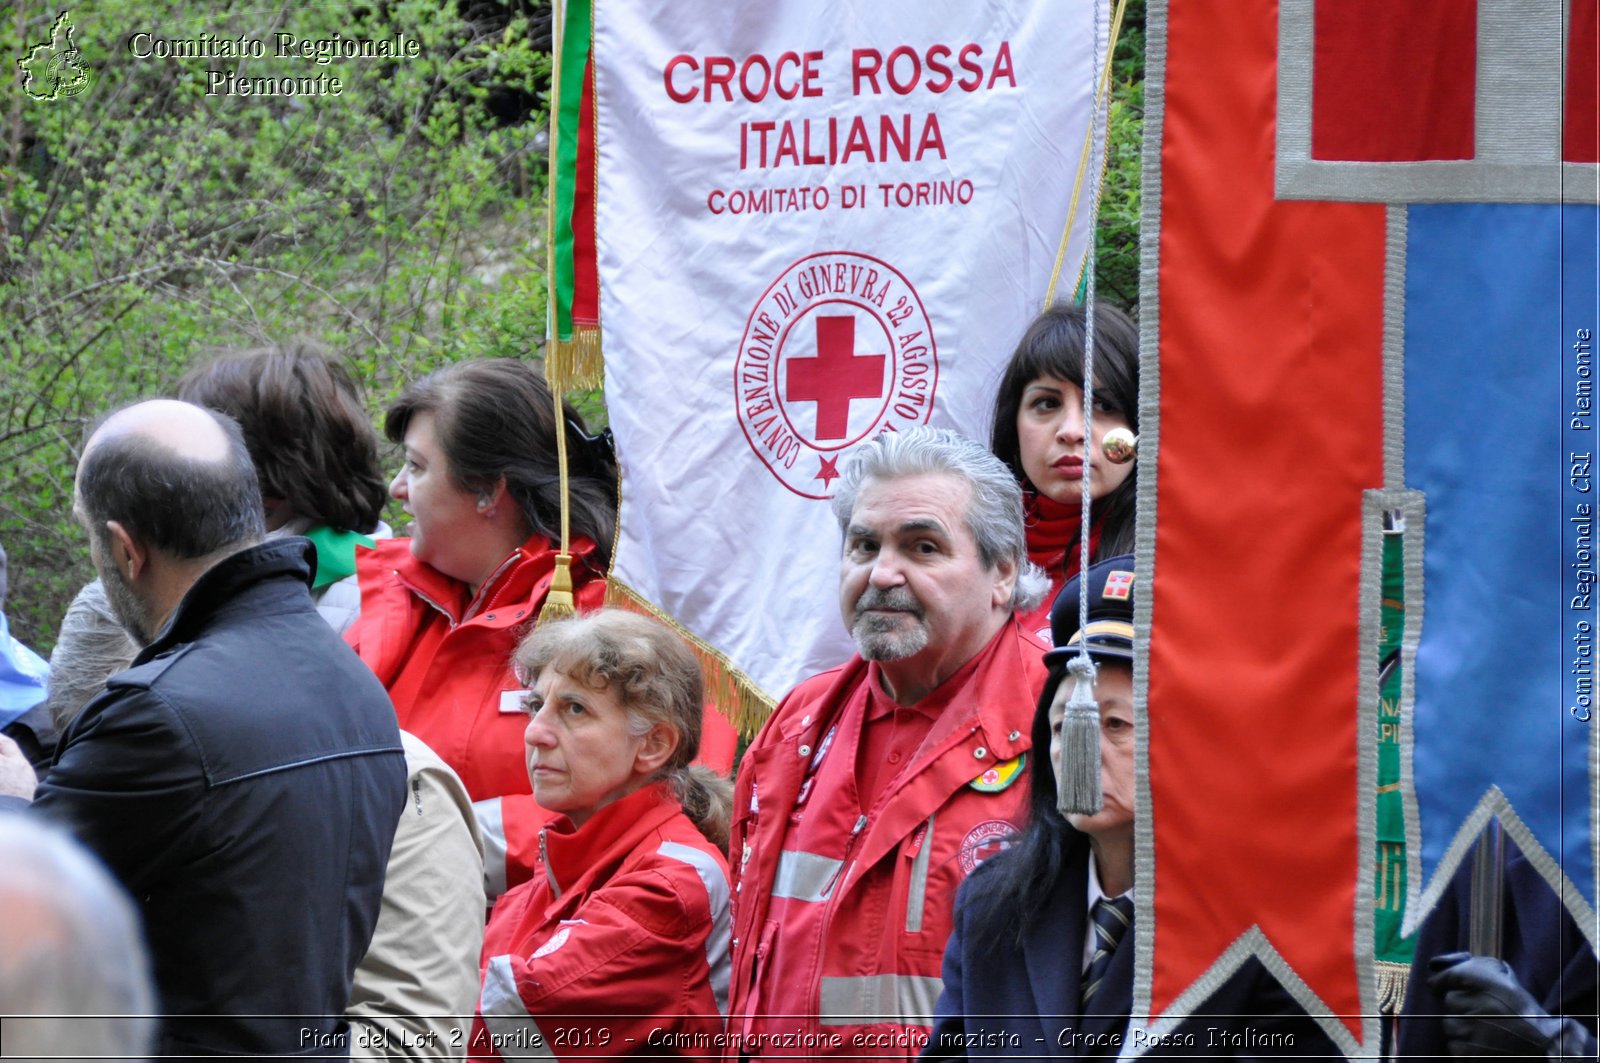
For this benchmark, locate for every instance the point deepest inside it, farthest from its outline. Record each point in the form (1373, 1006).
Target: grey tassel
(1078, 783)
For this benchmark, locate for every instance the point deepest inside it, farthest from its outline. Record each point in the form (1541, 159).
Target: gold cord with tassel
(558, 600)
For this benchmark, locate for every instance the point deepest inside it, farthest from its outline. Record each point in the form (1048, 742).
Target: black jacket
(243, 779)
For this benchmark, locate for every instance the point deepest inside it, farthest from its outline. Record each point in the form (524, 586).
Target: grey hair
(91, 647)
(994, 514)
(74, 973)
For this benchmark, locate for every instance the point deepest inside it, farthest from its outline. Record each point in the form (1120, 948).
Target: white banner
(816, 221)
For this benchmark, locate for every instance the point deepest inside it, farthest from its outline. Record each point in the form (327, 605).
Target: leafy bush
(1116, 275)
(147, 221)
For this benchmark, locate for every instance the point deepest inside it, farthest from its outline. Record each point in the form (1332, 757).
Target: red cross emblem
(836, 350)
(836, 375)
(983, 841)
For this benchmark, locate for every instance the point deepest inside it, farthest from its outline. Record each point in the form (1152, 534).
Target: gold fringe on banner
(734, 694)
(1391, 978)
(574, 363)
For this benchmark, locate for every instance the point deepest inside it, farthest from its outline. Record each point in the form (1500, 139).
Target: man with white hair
(877, 787)
(244, 777)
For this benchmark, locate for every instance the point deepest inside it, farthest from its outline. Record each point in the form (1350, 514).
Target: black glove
(1489, 1013)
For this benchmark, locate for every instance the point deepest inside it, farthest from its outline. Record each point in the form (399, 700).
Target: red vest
(861, 900)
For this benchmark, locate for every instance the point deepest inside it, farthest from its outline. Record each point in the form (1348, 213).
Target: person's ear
(127, 554)
(655, 749)
(1005, 577)
(490, 497)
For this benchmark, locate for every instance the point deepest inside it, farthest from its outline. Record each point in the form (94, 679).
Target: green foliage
(147, 221)
(1116, 275)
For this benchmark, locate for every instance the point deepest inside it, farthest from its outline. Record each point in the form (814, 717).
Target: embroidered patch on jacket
(1000, 776)
(558, 940)
(988, 838)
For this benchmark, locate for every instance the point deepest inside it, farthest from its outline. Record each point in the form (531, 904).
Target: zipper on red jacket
(494, 578)
(473, 607)
(544, 858)
(429, 601)
(831, 902)
(844, 861)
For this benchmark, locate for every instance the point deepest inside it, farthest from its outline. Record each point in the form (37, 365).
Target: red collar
(880, 704)
(513, 580)
(994, 691)
(576, 856)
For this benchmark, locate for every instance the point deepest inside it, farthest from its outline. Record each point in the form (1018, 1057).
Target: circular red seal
(837, 349)
(985, 840)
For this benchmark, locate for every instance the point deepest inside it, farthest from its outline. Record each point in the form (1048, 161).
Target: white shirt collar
(1095, 894)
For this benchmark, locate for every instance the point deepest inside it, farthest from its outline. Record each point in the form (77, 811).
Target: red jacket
(467, 705)
(619, 946)
(887, 907)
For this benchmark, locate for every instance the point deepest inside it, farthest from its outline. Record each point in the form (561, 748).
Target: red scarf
(1052, 529)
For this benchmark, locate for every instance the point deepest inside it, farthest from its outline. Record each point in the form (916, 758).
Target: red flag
(1267, 323)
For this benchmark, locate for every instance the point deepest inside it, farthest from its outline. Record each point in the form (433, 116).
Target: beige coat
(417, 987)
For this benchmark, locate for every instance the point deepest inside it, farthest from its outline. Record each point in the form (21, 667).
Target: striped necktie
(1111, 919)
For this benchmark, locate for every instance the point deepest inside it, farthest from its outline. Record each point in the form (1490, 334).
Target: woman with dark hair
(1039, 432)
(619, 945)
(442, 611)
(315, 454)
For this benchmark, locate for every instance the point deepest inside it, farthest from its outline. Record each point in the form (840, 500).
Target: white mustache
(896, 598)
